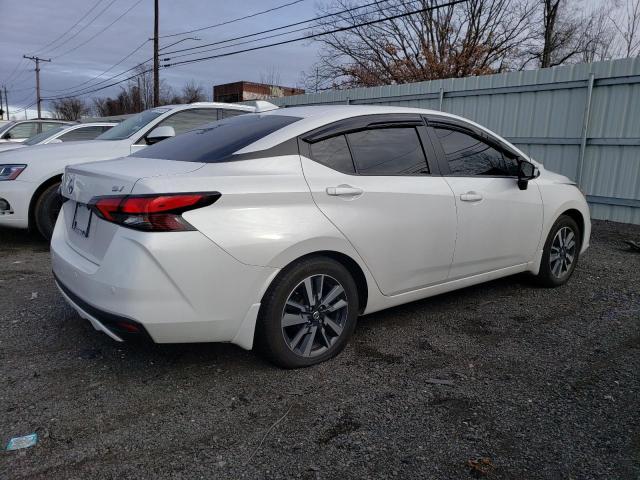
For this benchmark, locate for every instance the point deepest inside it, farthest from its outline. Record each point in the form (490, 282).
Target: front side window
(334, 153)
(132, 125)
(218, 141)
(388, 151)
(46, 126)
(36, 139)
(23, 130)
(469, 156)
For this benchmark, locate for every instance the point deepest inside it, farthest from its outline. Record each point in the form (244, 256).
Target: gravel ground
(542, 383)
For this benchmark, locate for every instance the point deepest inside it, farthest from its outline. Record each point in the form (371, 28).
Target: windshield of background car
(36, 139)
(132, 125)
(217, 141)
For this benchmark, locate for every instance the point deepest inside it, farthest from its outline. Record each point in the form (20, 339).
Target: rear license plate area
(82, 219)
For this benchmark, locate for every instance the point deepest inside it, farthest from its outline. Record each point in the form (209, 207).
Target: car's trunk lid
(89, 235)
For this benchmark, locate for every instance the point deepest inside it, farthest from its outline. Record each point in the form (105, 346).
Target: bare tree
(629, 28)
(69, 108)
(472, 38)
(193, 92)
(272, 77)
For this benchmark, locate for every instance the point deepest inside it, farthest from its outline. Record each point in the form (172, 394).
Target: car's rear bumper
(178, 286)
(15, 212)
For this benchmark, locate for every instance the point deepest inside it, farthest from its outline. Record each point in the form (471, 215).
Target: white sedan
(30, 178)
(64, 133)
(280, 229)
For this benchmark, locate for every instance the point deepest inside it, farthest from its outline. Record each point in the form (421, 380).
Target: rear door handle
(344, 191)
(471, 197)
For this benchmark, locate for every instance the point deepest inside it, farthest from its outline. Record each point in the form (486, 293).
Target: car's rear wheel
(46, 210)
(561, 252)
(308, 314)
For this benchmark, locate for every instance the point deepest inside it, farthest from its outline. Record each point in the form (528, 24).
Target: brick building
(242, 91)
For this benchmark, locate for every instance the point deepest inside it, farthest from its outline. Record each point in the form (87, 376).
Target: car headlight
(11, 172)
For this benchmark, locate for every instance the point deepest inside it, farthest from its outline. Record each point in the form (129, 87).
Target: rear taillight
(151, 213)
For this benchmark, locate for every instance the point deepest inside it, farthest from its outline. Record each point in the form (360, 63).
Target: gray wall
(544, 112)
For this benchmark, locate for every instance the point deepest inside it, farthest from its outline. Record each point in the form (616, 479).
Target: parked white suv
(279, 229)
(29, 178)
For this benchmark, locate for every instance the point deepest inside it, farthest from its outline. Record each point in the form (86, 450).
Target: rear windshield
(217, 141)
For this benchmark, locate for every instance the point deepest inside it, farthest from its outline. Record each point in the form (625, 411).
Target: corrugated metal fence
(582, 121)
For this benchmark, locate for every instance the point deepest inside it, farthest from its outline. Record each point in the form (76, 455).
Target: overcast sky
(28, 26)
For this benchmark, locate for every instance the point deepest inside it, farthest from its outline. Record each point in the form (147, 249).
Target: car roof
(48, 120)
(230, 106)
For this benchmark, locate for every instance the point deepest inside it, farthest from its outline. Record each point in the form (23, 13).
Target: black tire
(289, 288)
(549, 275)
(46, 210)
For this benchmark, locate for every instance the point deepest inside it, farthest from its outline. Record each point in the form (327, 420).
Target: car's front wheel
(308, 314)
(46, 210)
(561, 252)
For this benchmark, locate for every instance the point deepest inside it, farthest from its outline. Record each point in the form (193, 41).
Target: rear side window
(217, 141)
(388, 151)
(189, 119)
(334, 153)
(228, 113)
(83, 133)
(470, 156)
(24, 130)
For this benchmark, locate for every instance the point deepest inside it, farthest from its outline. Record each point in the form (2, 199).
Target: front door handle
(471, 197)
(344, 191)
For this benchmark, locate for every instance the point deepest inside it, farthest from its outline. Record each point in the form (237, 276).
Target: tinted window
(45, 126)
(83, 133)
(189, 119)
(228, 113)
(388, 151)
(469, 156)
(43, 136)
(334, 153)
(132, 125)
(217, 141)
(24, 130)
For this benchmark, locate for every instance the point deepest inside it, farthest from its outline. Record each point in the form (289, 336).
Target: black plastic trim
(108, 319)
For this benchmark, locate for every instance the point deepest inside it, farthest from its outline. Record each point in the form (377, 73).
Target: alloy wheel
(563, 252)
(315, 315)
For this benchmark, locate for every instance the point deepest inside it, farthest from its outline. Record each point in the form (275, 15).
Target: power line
(273, 9)
(70, 28)
(99, 32)
(315, 35)
(295, 24)
(85, 26)
(166, 59)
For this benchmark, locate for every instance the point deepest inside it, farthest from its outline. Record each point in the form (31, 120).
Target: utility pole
(2, 105)
(38, 60)
(6, 101)
(156, 63)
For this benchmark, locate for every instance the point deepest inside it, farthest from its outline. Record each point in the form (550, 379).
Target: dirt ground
(541, 383)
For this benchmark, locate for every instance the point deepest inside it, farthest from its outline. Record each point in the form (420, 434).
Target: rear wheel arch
(36, 195)
(349, 263)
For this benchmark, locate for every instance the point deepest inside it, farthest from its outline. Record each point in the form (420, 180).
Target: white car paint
(412, 237)
(45, 163)
(55, 135)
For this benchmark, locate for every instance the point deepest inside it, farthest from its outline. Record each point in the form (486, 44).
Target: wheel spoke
(308, 288)
(553, 257)
(318, 292)
(570, 258)
(556, 267)
(296, 340)
(333, 325)
(337, 306)
(290, 319)
(296, 305)
(333, 293)
(306, 346)
(326, 340)
(570, 244)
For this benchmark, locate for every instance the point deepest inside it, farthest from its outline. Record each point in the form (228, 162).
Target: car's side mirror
(526, 171)
(160, 133)
(7, 136)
